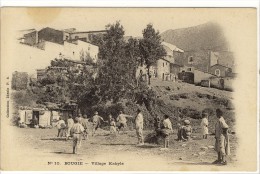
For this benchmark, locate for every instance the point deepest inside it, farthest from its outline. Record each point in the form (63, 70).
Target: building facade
(197, 59)
(31, 38)
(162, 69)
(220, 70)
(51, 35)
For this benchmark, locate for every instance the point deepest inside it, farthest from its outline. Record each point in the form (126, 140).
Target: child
(179, 130)
(157, 123)
(61, 128)
(70, 125)
(96, 122)
(204, 125)
(167, 130)
(84, 123)
(112, 126)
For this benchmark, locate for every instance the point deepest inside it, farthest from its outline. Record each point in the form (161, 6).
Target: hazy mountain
(205, 36)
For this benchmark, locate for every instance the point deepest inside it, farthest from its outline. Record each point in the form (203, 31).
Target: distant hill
(208, 36)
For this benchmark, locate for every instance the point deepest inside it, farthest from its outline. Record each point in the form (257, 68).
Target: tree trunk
(149, 82)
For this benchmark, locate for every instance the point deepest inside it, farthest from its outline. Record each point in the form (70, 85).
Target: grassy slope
(196, 99)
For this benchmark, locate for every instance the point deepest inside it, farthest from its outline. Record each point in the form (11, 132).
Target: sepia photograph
(129, 89)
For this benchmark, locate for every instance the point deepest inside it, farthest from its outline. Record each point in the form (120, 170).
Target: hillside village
(205, 68)
(77, 47)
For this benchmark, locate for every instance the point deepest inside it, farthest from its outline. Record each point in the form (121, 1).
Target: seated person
(184, 132)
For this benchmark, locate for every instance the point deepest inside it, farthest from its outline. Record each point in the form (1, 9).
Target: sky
(134, 20)
(238, 25)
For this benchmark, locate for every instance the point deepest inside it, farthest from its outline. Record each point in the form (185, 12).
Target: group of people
(78, 130)
(184, 132)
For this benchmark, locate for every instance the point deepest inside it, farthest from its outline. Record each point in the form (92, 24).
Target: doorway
(36, 116)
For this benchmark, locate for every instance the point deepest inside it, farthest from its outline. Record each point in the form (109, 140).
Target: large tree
(115, 76)
(150, 48)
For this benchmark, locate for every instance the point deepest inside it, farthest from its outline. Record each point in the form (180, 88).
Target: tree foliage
(150, 47)
(66, 80)
(116, 75)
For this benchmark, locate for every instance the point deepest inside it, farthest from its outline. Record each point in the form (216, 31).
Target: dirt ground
(34, 148)
(38, 149)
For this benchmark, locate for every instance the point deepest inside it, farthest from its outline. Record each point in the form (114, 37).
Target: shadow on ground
(118, 144)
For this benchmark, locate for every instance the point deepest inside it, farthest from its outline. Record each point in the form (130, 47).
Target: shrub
(192, 113)
(221, 101)
(15, 120)
(183, 96)
(210, 111)
(174, 97)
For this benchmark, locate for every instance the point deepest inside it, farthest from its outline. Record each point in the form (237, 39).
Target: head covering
(85, 116)
(187, 122)
(77, 119)
(219, 112)
(96, 113)
(166, 116)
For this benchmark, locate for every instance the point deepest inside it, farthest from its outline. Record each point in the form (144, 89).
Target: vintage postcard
(129, 89)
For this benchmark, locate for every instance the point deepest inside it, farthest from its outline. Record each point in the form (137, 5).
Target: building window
(217, 72)
(166, 63)
(163, 64)
(190, 60)
(189, 69)
(76, 37)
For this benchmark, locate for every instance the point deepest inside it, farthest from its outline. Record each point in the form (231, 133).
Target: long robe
(222, 140)
(204, 126)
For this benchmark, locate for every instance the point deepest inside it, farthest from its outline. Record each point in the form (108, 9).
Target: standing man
(122, 121)
(222, 141)
(96, 122)
(139, 126)
(77, 131)
(84, 123)
(70, 125)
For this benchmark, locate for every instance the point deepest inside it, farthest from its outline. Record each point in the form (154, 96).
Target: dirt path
(34, 148)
